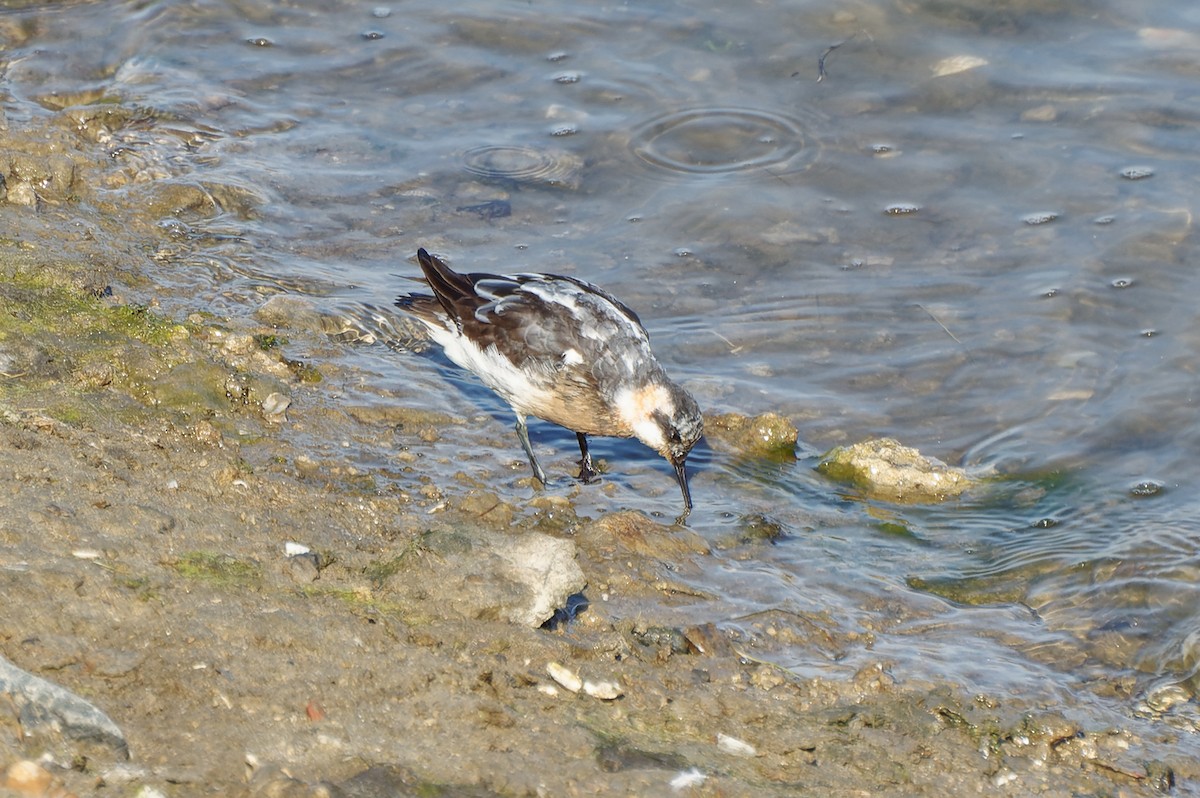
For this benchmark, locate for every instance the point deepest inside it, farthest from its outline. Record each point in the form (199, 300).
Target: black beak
(681, 478)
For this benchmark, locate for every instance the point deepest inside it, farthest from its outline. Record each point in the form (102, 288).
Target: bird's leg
(523, 434)
(587, 472)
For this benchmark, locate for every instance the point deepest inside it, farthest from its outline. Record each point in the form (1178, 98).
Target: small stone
(302, 568)
(27, 777)
(292, 312)
(275, 406)
(1137, 172)
(734, 746)
(1042, 113)
(564, 676)
(21, 193)
(239, 344)
(957, 63)
(605, 690)
(1039, 217)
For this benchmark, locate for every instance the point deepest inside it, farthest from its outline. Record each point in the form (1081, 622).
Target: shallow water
(973, 234)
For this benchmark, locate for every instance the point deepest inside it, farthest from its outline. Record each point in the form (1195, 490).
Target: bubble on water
(372, 35)
(1146, 489)
(1039, 217)
(381, 12)
(1104, 220)
(1137, 172)
(714, 140)
(1149, 332)
(901, 208)
(555, 57)
(564, 130)
(683, 252)
(568, 78)
(1122, 282)
(260, 41)
(1050, 293)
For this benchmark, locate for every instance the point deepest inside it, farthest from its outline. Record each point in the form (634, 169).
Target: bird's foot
(587, 472)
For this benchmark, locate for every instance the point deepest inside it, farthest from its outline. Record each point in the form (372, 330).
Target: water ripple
(717, 140)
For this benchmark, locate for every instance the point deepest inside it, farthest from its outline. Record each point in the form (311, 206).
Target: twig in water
(939, 323)
(733, 348)
(821, 73)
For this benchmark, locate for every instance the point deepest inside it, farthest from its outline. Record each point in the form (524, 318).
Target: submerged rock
(764, 434)
(887, 470)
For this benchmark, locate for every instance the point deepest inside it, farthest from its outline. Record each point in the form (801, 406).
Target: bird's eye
(673, 436)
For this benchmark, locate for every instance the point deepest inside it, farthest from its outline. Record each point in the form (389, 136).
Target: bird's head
(670, 422)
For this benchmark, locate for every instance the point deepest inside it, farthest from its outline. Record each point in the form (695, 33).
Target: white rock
(605, 690)
(564, 676)
(734, 746)
(957, 63)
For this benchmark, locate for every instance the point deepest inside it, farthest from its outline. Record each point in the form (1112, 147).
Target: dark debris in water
(576, 603)
(492, 209)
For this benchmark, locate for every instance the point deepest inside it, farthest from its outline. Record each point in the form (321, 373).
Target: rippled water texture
(712, 140)
(975, 233)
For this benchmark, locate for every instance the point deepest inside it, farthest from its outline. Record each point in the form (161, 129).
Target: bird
(562, 350)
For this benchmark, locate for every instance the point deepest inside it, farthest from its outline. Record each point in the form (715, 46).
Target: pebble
(302, 569)
(1042, 113)
(275, 407)
(564, 676)
(26, 776)
(957, 63)
(604, 690)
(734, 746)
(1137, 172)
(1039, 217)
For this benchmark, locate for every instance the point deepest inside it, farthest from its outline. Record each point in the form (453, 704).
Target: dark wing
(534, 319)
(453, 293)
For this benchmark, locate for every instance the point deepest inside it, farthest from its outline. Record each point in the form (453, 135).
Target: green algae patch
(38, 301)
(363, 601)
(61, 341)
(221, 570)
